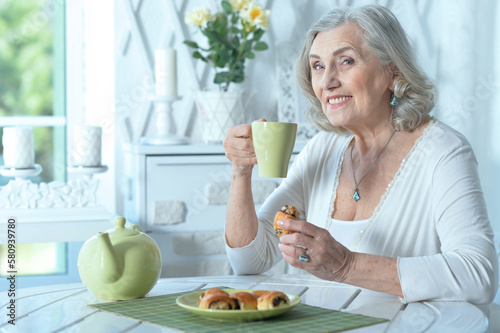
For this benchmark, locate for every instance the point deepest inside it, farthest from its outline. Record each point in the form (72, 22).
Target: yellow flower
(239, 4)
(199, 16)
(256, 16)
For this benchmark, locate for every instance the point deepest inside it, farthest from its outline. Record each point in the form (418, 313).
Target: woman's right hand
(239, 149)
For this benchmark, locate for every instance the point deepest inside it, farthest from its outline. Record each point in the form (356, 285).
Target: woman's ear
(395, 73)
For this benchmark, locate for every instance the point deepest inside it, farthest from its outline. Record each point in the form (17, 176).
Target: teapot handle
(135, 227)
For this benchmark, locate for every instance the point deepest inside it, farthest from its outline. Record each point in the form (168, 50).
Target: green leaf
(220, 25)
(247, 47)
(232, 59)
(238, 79)
(235, 42)
(235, 18)
(216, 60)
(250, 55)
(223, 59)
(219, 56)
(260, 46)
(258, 34)
(227, 7)
(222, 77)
(215, 39)
(191, 44)
(197, 55)
(209, 34)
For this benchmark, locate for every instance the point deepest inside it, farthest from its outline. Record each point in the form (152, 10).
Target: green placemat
(163, 311)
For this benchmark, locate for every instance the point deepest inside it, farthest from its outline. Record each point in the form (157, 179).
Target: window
(32, 93)
(38, 259)
(32, 78)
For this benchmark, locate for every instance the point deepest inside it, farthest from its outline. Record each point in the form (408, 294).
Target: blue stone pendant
(355, 196)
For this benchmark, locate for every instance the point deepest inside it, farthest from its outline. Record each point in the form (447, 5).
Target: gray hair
(383, 35)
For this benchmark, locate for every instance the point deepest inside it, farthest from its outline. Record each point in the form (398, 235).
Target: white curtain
(469, 84)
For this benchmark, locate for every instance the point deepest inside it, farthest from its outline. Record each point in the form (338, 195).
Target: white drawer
(175, 193)
(189, 193)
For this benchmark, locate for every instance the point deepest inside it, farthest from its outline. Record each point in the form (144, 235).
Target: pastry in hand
(244, 300)
(272, 299)
(286, 212)
(217, 302)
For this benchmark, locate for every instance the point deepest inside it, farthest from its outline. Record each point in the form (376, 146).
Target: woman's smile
(337, 101)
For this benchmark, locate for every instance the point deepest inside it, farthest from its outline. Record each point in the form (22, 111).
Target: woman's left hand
(328, 259)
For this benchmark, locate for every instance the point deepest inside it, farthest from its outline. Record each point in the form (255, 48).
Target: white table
(63, 308)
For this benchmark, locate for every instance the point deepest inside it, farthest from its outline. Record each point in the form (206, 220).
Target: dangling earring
(394, 101)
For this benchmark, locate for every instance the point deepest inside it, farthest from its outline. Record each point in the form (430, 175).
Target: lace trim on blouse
(387, 191)
(336, 183)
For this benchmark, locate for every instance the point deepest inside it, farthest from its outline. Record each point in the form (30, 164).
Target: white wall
(90, 81)
(99, 91)
(456, 41)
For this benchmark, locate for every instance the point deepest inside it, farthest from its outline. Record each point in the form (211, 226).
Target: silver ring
(304, 257)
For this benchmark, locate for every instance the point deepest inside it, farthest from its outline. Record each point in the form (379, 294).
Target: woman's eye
(347, 61)
(317, 67)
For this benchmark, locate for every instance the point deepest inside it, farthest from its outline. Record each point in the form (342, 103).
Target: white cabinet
(181, 188)
(178, 195)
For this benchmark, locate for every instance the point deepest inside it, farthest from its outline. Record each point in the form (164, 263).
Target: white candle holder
(21, 173)
(21, 193)
(87, 172)
(165, 124)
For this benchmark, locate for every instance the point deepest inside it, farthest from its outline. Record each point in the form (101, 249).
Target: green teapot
(120, 264)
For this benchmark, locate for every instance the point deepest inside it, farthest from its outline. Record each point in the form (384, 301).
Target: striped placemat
(164, 311)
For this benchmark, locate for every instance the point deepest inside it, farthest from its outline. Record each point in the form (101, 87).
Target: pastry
(244, 300)
(272, 299)
(286, 212)
(217, 302)
(258, 293)
(212, 291)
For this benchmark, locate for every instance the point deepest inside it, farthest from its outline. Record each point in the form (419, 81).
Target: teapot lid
(121, 231)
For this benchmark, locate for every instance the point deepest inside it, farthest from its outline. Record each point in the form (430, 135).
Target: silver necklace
(356, 196)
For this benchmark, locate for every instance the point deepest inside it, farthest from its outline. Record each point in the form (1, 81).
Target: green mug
(273, 143)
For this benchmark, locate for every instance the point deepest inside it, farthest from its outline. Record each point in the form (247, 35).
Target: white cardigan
(432, 216)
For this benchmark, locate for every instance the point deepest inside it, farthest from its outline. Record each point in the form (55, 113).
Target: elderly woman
(390, 197)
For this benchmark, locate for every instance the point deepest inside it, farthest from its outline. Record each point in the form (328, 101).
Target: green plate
(190, 303)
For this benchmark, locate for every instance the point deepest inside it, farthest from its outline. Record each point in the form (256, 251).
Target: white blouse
(432, 216)
(347, 232)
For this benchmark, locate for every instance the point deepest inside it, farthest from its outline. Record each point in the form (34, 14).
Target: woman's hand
(328, 259)
(239, 149)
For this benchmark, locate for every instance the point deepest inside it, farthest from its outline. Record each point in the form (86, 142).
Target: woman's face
(349, 81)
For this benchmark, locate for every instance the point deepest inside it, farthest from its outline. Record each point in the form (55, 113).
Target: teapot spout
(110, 265)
